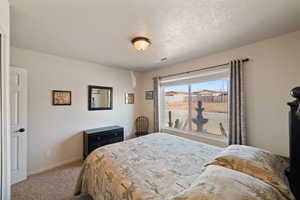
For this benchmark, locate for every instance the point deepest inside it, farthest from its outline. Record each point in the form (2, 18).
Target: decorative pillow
(219, 183)
(255, 162)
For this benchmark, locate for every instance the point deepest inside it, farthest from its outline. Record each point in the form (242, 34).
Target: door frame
(5, 117)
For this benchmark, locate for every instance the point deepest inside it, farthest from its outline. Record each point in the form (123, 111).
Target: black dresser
(94, 138)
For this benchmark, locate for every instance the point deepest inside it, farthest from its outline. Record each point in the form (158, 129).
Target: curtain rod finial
(295, 92)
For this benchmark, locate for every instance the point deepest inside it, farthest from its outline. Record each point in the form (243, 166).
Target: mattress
(153, 167)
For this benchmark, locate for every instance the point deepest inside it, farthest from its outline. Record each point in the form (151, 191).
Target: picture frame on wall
(129, 98)
(149, 95)
(61, 98)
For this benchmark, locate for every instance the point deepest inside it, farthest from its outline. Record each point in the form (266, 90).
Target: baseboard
(53, 166)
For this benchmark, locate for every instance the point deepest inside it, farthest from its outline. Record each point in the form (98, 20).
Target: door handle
(21, 130)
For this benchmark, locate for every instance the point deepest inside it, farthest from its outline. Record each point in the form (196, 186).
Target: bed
(161, 166)
(155, 166)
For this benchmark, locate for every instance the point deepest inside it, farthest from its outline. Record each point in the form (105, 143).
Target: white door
(18, 115)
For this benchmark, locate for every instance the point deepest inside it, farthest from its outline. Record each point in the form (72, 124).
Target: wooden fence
(212, 99)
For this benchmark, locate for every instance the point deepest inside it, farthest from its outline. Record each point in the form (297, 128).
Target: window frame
(221, 74)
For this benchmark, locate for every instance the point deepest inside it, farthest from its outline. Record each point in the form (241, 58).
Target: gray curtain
(156, 89)
(237, 128)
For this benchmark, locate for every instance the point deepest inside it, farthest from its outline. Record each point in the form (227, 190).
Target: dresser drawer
(105, 136)
(116, 139)
(94, 146)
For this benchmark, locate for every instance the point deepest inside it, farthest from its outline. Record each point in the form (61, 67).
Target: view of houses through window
(200, 107)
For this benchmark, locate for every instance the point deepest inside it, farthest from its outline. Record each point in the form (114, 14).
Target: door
(18, 115)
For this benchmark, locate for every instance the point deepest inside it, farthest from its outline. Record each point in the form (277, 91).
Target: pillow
(255, 162)
(219, 183)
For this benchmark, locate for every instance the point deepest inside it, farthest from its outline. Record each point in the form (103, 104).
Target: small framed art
(129, 98)
(61, 98)
(149, 95)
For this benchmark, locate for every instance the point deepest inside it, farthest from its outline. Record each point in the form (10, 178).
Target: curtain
(237, 128)
(156, 89)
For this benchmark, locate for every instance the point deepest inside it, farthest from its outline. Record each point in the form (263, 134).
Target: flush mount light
(141, 43)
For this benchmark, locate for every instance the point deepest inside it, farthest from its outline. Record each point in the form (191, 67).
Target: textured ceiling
(100, 30)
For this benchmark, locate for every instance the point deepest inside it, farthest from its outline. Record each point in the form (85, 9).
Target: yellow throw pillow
(255, 162)
(219, 183)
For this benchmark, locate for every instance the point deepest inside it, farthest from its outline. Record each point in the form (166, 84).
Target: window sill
(203, 137)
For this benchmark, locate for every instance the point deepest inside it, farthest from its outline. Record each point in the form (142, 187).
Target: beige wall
(54, 132)
(273, 70)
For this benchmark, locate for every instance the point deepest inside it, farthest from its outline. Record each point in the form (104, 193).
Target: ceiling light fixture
(141, 43)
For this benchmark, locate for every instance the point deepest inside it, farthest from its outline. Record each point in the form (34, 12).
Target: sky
(218, 85)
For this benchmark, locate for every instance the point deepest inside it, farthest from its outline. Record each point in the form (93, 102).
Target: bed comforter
(153, 167)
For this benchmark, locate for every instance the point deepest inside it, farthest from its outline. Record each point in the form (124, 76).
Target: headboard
(294, 128)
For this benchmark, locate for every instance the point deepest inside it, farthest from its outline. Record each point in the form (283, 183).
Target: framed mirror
(100, 98)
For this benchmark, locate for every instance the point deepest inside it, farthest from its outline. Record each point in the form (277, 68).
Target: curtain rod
(196, 70)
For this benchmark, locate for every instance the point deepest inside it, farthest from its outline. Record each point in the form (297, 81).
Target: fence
(212, 99)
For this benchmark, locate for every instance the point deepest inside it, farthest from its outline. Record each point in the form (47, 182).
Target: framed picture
(129, 98)
(61, 97)
(149, 95)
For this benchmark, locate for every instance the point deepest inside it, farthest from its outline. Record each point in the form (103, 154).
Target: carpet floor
(55, 184)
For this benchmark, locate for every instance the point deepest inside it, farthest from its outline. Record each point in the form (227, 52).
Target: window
(196, 104)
